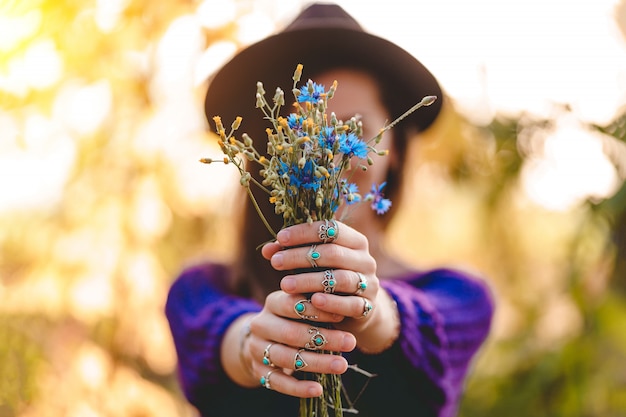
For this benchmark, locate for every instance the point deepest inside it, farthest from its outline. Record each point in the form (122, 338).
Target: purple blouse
(445, 316)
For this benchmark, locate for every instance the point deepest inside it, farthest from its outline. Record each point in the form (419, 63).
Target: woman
(238, 328)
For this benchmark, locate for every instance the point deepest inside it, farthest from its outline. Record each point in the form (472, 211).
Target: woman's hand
(284, 337)
(345, 290)
(278, 346)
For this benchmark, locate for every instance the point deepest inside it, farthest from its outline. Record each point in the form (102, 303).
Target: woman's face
(358, 95)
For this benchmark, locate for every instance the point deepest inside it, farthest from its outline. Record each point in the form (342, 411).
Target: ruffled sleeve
(199, 311)
(445, 317)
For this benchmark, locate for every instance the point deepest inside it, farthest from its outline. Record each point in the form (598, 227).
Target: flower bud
(279, 97)
(428, 100)
(297, 73)
(218, 123)
(245, 179)
(247, 140)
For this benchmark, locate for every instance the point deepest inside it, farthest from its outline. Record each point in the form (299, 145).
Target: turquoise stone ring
(265, 380)
(300, 308)
(367, 307)
(328, 231)
(313, 256)
(317, 341)
(298, 361)
(266, 356)
(361, 285)
(329, 282)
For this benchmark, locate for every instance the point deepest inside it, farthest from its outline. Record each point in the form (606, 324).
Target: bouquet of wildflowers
(306, 173)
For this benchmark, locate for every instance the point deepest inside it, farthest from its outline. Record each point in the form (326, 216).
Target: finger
(330, 281)
(270, 249)
(285, 357)
(278, 381)
(325, 255)
(354, 307)
(297, 306)
(302, 335)
(317, 232)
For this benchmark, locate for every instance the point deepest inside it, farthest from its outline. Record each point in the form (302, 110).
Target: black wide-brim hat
(322, 37)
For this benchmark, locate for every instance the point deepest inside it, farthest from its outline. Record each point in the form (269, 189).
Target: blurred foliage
(102, 202)
(582, 373)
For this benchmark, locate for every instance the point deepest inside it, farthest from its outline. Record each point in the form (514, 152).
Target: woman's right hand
(282, 343)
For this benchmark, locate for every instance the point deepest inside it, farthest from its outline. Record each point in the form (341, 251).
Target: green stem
(258, 209)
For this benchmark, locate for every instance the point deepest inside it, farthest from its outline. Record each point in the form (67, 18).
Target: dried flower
(304, 175)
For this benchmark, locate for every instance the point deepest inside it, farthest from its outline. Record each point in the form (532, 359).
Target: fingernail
(283, 237)
(338, 366)
(348, 343)
(288, 284)
(277, 260)
(321, 300)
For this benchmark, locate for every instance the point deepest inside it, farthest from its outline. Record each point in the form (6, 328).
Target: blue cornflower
(314, 97)
(328, 136)
(294, 121)
(304, 177)
(350, 145)
(379, 204)
(351, 192)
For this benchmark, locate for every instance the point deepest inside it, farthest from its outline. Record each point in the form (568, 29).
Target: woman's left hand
(345, 283)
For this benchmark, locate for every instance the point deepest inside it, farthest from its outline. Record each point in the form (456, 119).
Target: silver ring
(329, 282)
(367, 307)
(298, 361)
(317, 341)
(361, 285)
(300, 308)
(328, 231)
(313, 256)
(266, 357)
(265, 380)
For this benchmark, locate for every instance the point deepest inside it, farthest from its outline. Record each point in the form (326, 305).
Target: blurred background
(103, 200)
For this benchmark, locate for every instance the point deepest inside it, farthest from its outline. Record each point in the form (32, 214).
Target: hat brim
(272, 61)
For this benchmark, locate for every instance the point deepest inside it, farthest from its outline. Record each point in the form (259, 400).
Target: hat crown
(323, 15)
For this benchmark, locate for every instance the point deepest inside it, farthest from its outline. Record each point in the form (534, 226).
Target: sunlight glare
(176, 55)
(92, 297)
(216, 13)
(108, 13)
(15, 29)
(571, 168)
(212, 59)
(38, 68)
(84, 108)
(93, 366)
(514, 55)
(33, 177)
(42, 64)
(253, 27)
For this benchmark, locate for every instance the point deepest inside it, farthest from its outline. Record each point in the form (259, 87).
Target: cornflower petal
(311, 97)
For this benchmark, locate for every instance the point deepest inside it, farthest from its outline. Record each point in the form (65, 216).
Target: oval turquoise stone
(315, 255)
(262, 380)
(300, 307)
(363, 285)
(331, 283)
(298, 364)
(319, 341)
(266, 361)
(331, 232)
